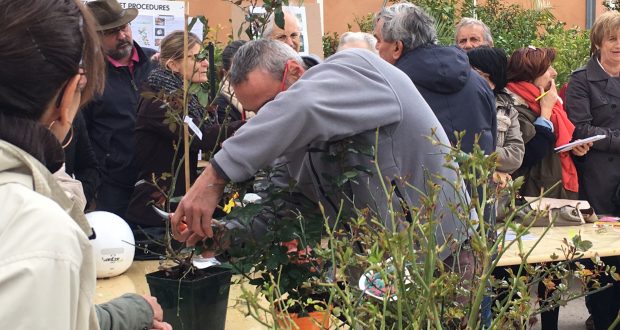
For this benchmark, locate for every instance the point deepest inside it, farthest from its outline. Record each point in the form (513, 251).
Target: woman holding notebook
(544, 125)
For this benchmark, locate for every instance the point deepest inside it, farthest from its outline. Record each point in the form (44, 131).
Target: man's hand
(158, 314)
(196, 208)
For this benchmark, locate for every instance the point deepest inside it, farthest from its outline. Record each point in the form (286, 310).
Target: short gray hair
(271, 22)
(466, 21)
(407, 23)
(265, 54)
(351, 37)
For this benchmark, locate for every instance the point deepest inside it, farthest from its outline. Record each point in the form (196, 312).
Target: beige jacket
(47, 270)
(47, 274)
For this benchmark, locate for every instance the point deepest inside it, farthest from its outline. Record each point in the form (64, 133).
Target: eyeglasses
(283, 83)
(116, 30)
(294, 36)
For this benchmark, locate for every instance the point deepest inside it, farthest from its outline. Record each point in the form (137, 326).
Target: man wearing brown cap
(111, 117)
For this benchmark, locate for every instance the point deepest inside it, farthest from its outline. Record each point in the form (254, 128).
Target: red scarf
(562, 128)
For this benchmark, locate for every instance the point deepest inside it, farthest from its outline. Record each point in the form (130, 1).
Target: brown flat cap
(109, 14)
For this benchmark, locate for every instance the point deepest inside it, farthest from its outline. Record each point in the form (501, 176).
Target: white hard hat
(114, 245)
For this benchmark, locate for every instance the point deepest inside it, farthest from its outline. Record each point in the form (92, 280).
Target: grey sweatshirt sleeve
(342, 97)
(128, 312)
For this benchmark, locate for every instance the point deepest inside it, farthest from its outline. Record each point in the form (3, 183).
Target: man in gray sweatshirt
(353, 94)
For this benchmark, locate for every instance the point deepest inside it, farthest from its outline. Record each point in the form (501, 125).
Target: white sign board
(156, 19)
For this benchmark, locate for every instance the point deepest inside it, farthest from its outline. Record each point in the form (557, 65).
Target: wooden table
(133, 280)
(605, 242)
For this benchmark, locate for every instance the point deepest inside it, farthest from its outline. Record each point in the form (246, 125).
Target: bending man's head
(401, 28)
(261, 69)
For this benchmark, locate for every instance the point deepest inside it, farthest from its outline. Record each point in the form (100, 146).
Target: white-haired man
(460, 98)
(472, 33)
(290, 34)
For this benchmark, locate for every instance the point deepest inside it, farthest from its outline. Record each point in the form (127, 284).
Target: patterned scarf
(170, 82)
(563, 129)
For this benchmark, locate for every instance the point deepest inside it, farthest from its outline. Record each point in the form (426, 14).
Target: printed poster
(156, 19)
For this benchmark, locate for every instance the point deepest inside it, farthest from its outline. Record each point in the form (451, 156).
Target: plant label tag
(188, 120)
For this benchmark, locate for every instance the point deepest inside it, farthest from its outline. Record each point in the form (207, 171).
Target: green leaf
(194, 89)
(203, 98)
(191, 23)
(172, 127)
(246, 213)
(175, 199)
(279, 18)
(350, 174)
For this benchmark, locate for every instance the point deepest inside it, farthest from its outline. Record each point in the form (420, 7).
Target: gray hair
(407, 23)
(265, 54)
(271, 22)
(352, 37)
(467, 21)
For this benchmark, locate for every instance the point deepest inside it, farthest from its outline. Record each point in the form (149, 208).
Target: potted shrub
(191, 298)
(275, 250)
(195, 298)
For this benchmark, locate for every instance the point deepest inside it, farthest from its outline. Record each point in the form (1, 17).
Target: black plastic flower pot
(204, 297)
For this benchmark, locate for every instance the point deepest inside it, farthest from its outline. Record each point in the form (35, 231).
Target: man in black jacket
(111, 117)
(459, 97)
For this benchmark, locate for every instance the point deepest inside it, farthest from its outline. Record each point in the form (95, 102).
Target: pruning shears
(182, 225)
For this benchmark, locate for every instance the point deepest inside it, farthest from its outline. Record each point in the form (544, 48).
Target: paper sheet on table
(511, 236)
(569, 146)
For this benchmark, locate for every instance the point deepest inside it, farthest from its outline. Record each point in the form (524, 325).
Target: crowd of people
(82, 102)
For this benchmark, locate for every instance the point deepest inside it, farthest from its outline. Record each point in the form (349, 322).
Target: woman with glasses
(159, 132)
(47, 271)
(592, 103)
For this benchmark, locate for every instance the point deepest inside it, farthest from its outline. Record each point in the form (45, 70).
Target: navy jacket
(460, 98)
(111, 119)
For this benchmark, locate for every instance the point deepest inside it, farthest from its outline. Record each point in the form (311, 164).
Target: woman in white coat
(51, 64)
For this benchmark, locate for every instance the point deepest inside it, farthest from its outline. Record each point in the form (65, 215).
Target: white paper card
(202, 263)
(193, 127)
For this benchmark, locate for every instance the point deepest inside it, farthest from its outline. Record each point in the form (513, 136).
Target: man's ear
(295, 71)
(399, 50)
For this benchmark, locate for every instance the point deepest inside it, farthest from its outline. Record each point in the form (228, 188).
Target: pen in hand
(541, 96)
